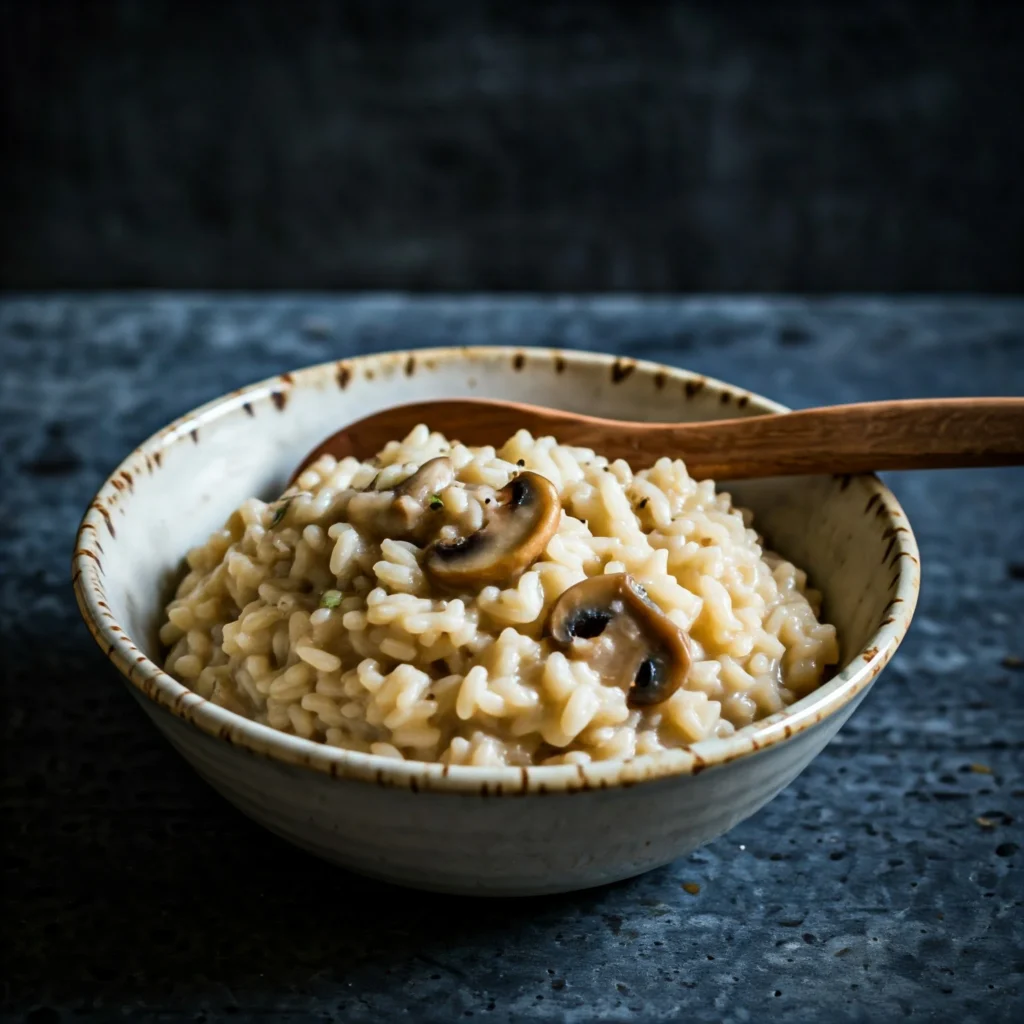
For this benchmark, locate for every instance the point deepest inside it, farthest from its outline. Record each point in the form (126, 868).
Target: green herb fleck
(330, 599)
(436, 503)
(280, 512)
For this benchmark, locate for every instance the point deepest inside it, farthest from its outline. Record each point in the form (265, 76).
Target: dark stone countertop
(885, 883)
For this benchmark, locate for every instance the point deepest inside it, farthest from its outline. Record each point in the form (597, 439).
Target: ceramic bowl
(496, 831)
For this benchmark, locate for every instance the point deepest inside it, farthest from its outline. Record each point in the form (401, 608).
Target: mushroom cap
(517, 530)
(431, 478)
(402, 513)
(611, 623)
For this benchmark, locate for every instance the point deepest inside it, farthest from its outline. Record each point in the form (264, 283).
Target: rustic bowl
(495, 831)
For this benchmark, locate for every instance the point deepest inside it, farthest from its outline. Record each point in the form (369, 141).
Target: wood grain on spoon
(920, 434)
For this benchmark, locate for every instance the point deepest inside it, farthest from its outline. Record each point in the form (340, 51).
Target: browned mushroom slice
(407, 511)
(413, 496)
(612, 625)
(515, 534)
(431, 478)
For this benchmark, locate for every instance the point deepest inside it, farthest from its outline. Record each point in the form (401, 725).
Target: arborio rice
(322, 614)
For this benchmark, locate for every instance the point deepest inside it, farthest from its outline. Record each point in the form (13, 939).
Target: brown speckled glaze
(864, 523)
(621, 369)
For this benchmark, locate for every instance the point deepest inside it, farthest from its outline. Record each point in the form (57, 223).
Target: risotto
(534, 604)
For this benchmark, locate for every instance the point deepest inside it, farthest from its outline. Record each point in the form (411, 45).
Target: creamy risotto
(535, 604)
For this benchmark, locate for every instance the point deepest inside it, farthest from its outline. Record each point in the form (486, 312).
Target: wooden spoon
(931, 433)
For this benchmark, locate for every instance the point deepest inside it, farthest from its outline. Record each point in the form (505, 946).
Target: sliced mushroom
(413, 496)
(406, 511)
(515, 534)
(431, 478)
(612, 625)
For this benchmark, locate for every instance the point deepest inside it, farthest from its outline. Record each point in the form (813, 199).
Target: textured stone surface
(885, 883)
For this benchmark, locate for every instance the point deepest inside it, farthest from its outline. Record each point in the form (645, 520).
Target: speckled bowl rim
(260, 740)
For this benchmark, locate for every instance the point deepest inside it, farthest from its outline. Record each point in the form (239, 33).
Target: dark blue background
(796, 145)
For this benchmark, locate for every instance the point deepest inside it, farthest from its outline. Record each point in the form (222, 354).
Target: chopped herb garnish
(280, 512)
(330, 599)
(436, 503)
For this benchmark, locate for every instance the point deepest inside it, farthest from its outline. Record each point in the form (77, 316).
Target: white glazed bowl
(504, 831)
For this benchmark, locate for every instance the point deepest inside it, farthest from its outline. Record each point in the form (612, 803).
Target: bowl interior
(848, 533)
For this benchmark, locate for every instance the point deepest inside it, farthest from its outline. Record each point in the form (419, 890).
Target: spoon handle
(918, 434)
(930, 433)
